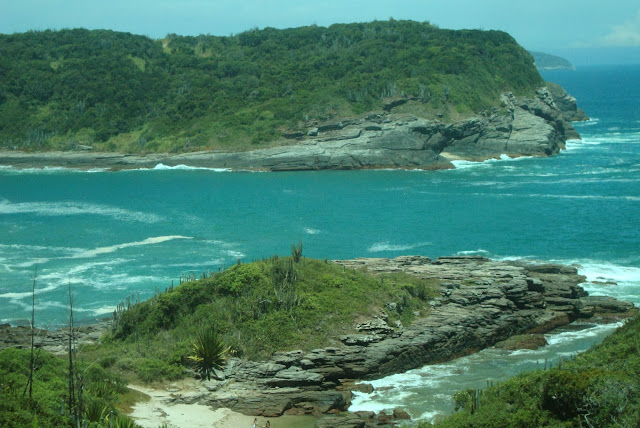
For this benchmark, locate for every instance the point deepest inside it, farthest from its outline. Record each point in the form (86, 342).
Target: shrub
(152, 369)
(208, 352)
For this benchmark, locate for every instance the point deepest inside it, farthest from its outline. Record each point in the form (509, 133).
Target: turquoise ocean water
(113, 234)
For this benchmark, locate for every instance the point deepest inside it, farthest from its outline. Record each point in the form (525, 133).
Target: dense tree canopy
(118, 91)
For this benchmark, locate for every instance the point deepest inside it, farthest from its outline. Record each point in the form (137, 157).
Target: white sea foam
(119, 281)
(465, 164)
(590, 122)
(22, 295)
(311, 231)
(75, 208)
(32, 248)
(429, 416)
(570, 336)
(479, 251)
(181, 167)
(599, 272)
(104, 310)
(632, 198)
(191, 265)
(392, 391)
(113, 248)
(619, 138)
(32, 262)
(48, 170)
(234, 254)
(387, 246)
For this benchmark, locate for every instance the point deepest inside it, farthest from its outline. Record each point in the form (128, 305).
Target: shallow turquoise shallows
(109, 235)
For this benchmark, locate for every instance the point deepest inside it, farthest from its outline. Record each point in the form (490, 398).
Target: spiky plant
(96, 410)
(296, 251)
(208, 352)
(118, 420)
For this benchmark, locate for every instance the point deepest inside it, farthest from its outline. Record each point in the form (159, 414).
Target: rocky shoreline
(482, 303)
(537, 126)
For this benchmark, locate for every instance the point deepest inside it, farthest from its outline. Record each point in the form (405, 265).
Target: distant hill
(128, 93)
(545, 61)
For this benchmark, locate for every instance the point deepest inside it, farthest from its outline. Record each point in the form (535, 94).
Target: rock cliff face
(482, 302)
(538, 126)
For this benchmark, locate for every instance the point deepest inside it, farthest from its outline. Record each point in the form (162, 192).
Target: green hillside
(122, 92)
(599, 388)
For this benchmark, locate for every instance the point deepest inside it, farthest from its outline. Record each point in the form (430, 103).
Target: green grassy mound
(257, 308)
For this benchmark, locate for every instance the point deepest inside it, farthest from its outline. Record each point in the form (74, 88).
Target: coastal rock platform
(482, 302)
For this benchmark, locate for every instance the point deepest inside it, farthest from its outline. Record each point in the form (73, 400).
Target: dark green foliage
(599, 388)
(118, 91)
(50, 390)
(153, 369)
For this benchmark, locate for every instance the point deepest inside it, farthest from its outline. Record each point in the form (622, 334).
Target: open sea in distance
(115, 234)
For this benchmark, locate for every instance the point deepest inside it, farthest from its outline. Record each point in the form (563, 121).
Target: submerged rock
(523, 341)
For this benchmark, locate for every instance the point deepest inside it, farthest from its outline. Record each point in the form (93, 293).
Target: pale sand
(159, 410)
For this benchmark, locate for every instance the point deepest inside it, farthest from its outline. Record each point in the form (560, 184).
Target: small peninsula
(545, 61)
(384, 94)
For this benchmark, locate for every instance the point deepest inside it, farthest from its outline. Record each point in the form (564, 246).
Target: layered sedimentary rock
(537, 126)
(482, 302)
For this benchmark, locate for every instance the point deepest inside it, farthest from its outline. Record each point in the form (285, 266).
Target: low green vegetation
(48, 406)
(121, 92)
(599, 388)
(256, 309)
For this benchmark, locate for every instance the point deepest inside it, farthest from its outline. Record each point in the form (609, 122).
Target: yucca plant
(208, 352)
(96, 410)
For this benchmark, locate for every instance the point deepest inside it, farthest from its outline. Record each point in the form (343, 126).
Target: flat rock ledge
(535, 126)
(482, 303)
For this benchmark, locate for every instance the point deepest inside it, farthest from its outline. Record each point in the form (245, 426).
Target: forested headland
(112, 91)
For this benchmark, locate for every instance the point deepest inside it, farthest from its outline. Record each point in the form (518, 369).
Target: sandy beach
(161, 408)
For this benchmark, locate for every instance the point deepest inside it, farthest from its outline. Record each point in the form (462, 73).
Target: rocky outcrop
(537, 126)
(54, 341)
(566, 103)
(482, 302)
